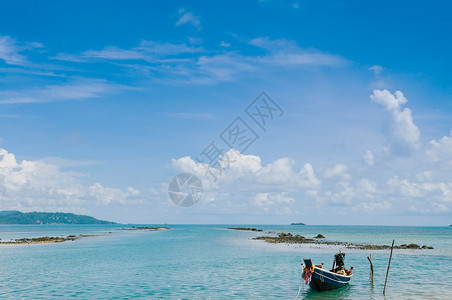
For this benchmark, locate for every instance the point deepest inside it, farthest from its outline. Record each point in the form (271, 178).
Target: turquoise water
(208, 262)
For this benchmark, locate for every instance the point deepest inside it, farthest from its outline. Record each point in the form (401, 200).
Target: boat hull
(323, 280)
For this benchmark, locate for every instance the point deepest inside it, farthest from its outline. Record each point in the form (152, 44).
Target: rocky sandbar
(289, 238)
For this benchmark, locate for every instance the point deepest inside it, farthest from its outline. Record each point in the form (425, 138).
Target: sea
(212, 262)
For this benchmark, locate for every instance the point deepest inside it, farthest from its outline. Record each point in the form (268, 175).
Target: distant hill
(6, 212)
(17, 217)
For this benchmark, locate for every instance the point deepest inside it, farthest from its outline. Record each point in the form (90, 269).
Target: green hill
(17, 217)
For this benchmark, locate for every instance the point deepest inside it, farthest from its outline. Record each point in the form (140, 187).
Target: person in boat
(338, 265)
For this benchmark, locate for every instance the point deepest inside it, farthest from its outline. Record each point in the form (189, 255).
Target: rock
(285, 238)
(40, 240)
(245, 228)
(413, 246)
(320, 236)
(427, 247)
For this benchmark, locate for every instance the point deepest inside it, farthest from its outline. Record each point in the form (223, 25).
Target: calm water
(207, 262)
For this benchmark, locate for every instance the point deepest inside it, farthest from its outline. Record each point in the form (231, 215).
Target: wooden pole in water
(387, 271)
(371, 269)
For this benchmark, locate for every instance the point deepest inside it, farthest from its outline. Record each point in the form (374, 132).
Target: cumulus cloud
(37, 185)
(245, 183)
(438, 194)
(339, 170)
(244, 179)
(405, 133)
(308, 179)
(247, 170)
(441, 149)
(367, 187)
(107, 195)
(265, 200)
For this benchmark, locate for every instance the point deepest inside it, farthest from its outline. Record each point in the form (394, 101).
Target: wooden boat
(324, 280)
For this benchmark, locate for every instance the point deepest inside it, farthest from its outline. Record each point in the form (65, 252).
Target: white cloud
(277, 187)
(369, 158)
(379, 81)
(377, 69)
(367, 187)
(10, 50)
(441, 150)
(188, 18)
(222, 67)
(194, 40)
(404, 131)
(37, 185)
(188, 64)
(246, 172)
(308, 179)
(268, 199)
(78, 89)
(373, 206)
(284, 52)
(149, 51)
(339, 170)
(433, 191)
(107, 195)
(261, 199)
(278, 172)
(389, 101)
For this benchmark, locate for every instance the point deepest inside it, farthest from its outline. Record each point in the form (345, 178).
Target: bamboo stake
(371, 269)
(387, 271)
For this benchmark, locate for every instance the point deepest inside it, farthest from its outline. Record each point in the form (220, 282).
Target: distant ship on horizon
(299, 223)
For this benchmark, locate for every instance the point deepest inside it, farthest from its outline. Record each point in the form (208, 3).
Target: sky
(322, 112)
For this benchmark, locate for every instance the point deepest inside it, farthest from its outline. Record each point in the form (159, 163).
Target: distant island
(299, 223)
(17, 217)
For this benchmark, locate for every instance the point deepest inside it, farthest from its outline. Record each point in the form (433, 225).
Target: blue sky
(102, 104)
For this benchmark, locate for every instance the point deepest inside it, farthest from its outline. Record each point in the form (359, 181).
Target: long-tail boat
(322, 279)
